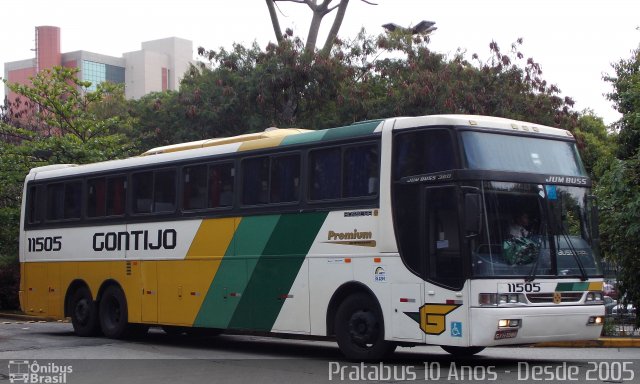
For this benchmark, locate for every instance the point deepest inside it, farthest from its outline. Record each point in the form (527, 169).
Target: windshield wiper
(573, 251)
(543, 230)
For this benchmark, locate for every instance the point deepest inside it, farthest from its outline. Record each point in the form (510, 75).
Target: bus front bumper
(535, 324)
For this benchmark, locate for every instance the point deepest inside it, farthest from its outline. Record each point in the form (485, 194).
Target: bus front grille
(567, 297)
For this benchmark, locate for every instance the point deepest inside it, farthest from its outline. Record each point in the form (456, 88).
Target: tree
(619, 188)
(626, 99)
(596, 142)
(247, 89)
(319, 12)
(53, 120)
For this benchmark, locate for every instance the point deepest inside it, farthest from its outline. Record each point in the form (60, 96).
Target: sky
(575, 41)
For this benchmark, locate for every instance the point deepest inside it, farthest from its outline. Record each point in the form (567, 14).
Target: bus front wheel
(359, 329)
(114, 319)
(84, 313)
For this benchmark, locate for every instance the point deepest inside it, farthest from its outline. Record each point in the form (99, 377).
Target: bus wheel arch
(356, 319)
(80, 305)
(345, 290)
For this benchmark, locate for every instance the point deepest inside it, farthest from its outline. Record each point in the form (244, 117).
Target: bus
(387, 232)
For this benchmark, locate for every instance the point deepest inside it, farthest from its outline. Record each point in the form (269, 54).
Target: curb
(603, 342)
(21, 317)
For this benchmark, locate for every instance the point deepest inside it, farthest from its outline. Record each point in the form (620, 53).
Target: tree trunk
(312, 38)
(274, 20)
(337, 23)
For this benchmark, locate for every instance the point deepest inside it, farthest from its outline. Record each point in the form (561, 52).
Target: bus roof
(499, 123)
(274, 137)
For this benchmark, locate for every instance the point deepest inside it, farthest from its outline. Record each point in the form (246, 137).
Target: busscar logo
(23, 371)
(567, 180)
(357, 238)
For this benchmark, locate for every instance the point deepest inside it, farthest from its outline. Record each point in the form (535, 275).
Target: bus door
(149, 300)
(444, 315)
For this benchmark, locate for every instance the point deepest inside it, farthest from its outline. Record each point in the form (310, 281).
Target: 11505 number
(524, 287)
(45, 244)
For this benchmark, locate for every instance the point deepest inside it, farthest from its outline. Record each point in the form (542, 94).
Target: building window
(98, 73)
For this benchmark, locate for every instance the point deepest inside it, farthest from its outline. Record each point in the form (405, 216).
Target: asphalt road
(50, 352)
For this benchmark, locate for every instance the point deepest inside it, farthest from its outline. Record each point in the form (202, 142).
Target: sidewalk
(603, 342)
(19, 316)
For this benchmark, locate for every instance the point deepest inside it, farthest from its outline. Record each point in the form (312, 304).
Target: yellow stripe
(213, 238)
(262, 143)
(596, 286)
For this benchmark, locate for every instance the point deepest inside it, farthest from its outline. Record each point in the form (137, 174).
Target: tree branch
(337, 22)
(274, 20)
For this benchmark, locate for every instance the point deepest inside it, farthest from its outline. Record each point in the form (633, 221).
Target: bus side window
(33, 216)
(360, 171)
(142, 192)
(325, 177)
(423, 152)
(116, 196)
(255, 181)
(221, 183)
(55, 201)
(96, 195)
(194, 187)
(285, 178)
(164, 191)
(72, 200)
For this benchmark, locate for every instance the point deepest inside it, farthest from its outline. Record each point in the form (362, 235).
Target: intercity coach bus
(378, 234)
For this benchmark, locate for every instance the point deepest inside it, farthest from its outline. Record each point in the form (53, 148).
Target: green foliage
(619, 193)
(247, 89)
(54, 120)
(626, 98)
(596, 143)
(619, 187)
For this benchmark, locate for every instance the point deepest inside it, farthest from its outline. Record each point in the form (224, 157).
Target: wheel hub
(363, 328)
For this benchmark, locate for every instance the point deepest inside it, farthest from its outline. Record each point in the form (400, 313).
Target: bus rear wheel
(462, 351)
(114, 320)
(84, 313)
(359, 329)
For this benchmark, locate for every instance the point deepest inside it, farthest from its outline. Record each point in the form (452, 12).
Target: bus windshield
(532, 230)
(521, 154)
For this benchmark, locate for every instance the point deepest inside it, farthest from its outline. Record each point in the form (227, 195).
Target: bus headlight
(509, 323)
(594, 298)
(595, 320)
(501, 298)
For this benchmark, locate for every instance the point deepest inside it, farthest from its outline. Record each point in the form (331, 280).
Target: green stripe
(276, 271)
(572, 287)
(248, 243)
(303, 138)
(359, 129)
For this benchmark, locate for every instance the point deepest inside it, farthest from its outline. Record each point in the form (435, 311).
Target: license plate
(506, 334)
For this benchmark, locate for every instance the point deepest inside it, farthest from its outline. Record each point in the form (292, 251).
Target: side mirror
(472, 214)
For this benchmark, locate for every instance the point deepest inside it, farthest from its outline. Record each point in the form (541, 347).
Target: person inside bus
(520, 227)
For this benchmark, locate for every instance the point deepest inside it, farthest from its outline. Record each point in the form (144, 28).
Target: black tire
(359, 329)
(84, 313)
(114, 314)
(462, 351)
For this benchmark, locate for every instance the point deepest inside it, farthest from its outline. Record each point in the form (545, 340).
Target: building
(158, 66)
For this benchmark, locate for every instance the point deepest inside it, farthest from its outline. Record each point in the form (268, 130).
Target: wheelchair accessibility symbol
(456, 329)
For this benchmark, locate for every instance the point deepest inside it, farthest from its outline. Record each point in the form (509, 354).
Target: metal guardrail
(620, 325)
